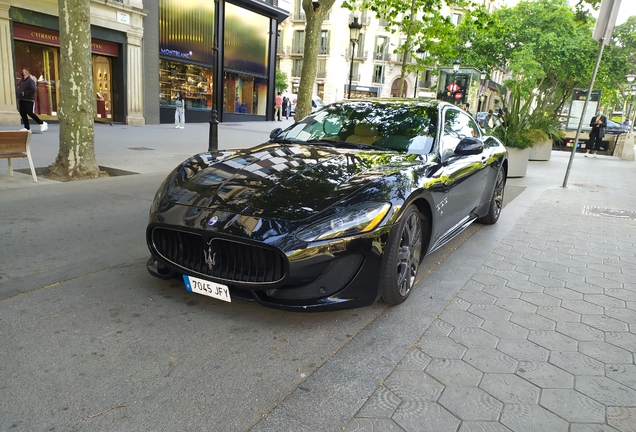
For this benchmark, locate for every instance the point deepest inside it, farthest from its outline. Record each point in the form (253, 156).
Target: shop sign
(52, 37)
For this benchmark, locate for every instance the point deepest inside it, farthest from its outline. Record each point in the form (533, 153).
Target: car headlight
(354, 220)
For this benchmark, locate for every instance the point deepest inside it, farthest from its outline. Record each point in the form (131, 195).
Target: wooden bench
(15, 144)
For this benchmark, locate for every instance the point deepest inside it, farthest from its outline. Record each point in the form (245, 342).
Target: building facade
(186, 59)
(30, 39)
(376, 68)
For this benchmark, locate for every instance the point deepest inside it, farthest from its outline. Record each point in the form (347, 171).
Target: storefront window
(42, 61)
(103, 87)
(244, 94)
(194, 83)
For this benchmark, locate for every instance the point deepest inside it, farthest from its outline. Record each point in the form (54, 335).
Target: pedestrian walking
(286, 107)
(26, 101)
(598, 124)
(279, 107)
(179, 112)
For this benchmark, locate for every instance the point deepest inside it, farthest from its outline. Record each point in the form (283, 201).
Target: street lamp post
(354, 33)
(419, 55)
(630, 79)
(482, 77)
(453, 87)
(213, 139)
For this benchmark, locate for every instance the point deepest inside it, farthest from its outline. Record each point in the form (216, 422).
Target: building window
(381, 48)
(298, 66)
(321, 71)
(323, 45)
(244, 94)
(378, 74)
(193, 82)
(321, 91)
(456, 18)
(298, 42)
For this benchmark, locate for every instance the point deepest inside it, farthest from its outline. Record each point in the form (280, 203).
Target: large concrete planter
(517, 161)
(541, 151)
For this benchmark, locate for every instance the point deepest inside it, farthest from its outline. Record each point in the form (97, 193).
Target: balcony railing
(298, 16)
(298, 49)
(321, 74)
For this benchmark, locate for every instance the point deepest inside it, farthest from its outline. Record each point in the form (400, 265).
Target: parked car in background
(615, 128)
(316, 102)
(334, 212)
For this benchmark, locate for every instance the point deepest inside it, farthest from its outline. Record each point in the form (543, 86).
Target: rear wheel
(404, 256)
(496, 201)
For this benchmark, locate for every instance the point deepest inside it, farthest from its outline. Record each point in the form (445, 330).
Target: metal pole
(589, 94)
(386, 45)
(631, 100)
(417, 75)
(213, 140)
(353, 49)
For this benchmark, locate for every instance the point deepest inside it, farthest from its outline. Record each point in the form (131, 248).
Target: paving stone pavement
(543, 336)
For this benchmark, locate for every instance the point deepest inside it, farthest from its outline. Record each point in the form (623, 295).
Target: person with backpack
(26, 101)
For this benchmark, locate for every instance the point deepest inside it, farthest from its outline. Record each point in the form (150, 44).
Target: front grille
(233, 261)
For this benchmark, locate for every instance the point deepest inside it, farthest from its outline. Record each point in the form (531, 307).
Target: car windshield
(404, 127)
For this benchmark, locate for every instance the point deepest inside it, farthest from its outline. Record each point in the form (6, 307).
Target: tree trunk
(315, 16)
(76, 156)
(407, 50)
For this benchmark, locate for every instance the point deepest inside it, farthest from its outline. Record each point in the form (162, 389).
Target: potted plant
(544, 130)
(514, 131)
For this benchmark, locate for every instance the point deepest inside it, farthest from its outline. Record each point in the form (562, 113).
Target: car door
(465, 175)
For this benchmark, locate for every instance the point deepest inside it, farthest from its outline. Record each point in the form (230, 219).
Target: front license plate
(207, 288)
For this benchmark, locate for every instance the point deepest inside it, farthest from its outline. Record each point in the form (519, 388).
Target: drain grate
(620, 214)
(139, 148)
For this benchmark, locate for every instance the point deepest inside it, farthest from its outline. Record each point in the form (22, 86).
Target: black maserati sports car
(334, 212)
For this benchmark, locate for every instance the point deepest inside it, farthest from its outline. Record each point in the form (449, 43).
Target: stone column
(628, 148)
(8, 104)
(135, 100)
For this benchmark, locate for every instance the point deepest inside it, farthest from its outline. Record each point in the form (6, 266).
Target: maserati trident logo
(210, 255)
(213, 220)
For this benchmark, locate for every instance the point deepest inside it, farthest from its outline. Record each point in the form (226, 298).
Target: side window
(457, 125)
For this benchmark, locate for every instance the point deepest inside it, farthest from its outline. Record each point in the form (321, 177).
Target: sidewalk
(139, 149)
(542, 336)
(530, 325)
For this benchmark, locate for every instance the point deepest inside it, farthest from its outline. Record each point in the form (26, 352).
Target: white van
(316, 102)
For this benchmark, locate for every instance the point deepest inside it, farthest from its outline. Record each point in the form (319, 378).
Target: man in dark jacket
(598, 124)
(26, 93)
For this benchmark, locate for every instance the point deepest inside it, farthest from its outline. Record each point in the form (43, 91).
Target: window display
(244, 94)
(43, 62)
(194, 83)
(101, 72)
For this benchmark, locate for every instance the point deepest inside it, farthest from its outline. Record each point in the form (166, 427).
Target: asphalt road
(91, 342)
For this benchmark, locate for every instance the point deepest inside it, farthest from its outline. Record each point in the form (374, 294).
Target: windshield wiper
(284, 141)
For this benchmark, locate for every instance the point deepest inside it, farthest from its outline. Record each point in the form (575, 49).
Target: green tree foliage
(421, 22)
(541, 40)
(281, 81)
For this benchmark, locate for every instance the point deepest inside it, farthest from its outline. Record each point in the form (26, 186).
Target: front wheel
(404, 256)
(496, 200)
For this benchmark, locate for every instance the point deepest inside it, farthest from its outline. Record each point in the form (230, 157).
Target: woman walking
(179, 113)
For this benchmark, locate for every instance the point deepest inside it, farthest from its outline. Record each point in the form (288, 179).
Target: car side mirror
(469, 146)
(273, 134)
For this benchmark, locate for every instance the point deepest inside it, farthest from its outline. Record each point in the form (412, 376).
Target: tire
(496, 200)
(404, 256)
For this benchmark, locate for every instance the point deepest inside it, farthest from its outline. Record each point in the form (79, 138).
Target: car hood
(281, 181)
